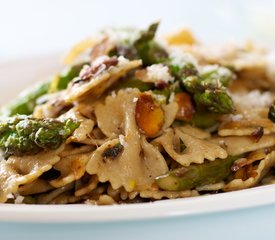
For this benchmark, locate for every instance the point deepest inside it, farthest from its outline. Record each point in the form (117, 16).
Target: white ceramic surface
(260, 196)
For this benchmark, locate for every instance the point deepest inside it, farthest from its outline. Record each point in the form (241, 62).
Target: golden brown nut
(186, 107)
(149, 115)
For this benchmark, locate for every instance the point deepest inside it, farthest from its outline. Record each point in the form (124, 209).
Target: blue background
(250, 224)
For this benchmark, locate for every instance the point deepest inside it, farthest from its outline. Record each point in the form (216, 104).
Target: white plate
(17, 75)
(144, 211)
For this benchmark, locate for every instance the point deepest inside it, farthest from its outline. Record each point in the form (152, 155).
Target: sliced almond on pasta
(261, 170)
(186, 107)
(149, 115)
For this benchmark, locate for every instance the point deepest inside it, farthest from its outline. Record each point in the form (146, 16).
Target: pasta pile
(134, 119)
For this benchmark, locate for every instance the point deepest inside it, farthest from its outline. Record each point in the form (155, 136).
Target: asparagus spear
(144, 48)
(61, 81)
(21, 135)
(217, 73)
(184, 71)
(134, 83)
(196, 175)
(26, 102)
(149, 50)
(215, 100)
(203, 119)
(207, 86)
(209, 93)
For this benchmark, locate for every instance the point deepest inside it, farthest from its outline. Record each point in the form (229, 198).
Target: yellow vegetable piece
(183, 36)
(78, 49)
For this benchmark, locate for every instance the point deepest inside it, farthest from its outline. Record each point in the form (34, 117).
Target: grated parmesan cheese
(210, 68)
(118, 35)
(122, 140)
(113, 94)
(62, 132)
(159, 72)
(122, 61)
(254, 99)
(135, 99)
(180, 58)
(10, 196)
(236, 117)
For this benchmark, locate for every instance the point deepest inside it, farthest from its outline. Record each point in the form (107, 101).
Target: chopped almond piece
(149, 115)
(251, 158)
(240, 174)
(186, 107)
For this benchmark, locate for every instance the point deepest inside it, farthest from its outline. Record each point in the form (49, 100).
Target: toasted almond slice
(149, 115)
(186, 107)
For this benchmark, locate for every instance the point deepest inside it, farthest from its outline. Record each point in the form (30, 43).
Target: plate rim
(184, 207)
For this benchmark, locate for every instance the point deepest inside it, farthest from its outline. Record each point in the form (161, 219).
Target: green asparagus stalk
(203, 119)
(25, 103)
(182, 72)
(149, 50)
(218, 73)
(134, 83)
(208, 86)
(209, 93)
(22, 135)
(144, 48)
(196, 175)
(61, 81)
(217, 101)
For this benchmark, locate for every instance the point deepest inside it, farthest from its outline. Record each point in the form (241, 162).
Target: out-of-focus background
(32, 27)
